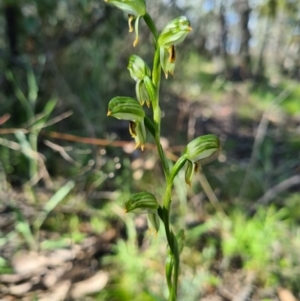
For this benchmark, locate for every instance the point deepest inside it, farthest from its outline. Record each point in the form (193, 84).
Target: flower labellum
(137, 131)
(167, 61)
(189, 172)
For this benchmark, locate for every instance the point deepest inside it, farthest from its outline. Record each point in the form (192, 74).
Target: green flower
(126, 108)
(173, 34)
(200, 151)
(135, 9)
(202, 148)
(141, 73)
(138, 68)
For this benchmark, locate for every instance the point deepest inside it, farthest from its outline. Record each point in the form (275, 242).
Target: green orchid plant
(127, 108)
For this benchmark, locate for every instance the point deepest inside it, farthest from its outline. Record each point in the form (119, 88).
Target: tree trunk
(12, 16)
(245, 35)
(223, 39)
(260, 68)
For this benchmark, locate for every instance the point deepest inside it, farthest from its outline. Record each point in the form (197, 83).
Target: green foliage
(60, 67)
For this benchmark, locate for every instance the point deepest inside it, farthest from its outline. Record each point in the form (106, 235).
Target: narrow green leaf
(52, 203)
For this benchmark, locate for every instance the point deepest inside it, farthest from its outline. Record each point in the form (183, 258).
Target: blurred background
(66, 169)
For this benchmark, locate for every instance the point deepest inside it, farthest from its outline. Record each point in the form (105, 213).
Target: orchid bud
(174, 32)
(202, 147)
(143, 202)
(138, 68)
(125, 108)
(137, 131)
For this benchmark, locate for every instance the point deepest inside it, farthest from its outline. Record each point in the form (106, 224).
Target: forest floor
(48, 265)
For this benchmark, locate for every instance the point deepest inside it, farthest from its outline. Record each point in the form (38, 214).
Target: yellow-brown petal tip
(108, 113)
(135, 42)
(130, 19)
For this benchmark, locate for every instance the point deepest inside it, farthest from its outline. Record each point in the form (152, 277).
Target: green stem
(156, 74)
(176, 267)
(151, 25)
(172, 241)
(171, 273)
(33, 163)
